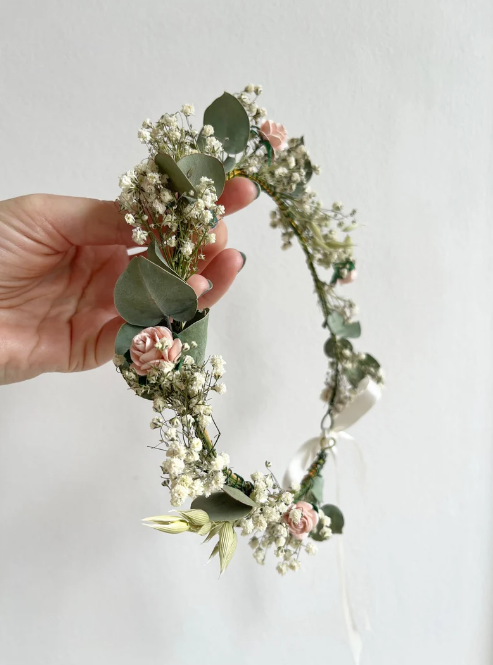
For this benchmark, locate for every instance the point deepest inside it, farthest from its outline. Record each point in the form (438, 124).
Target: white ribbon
(367, 394)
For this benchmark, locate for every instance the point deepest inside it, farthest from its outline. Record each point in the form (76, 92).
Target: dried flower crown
(171, 201)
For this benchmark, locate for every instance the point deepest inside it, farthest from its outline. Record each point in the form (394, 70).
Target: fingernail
(259, 189)
(210, 287)
(243, 256)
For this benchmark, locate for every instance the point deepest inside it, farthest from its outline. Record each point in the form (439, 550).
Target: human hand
(60, 258)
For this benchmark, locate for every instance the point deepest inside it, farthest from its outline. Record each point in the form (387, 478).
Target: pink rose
(144, 353)
(350, 277)
(274, 133)
(300, 518)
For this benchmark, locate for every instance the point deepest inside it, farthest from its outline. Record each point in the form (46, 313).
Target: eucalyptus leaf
(145, 293)
(125, 336)
(177, 178)
(227, 545)
(221, 507)
(230, 121)
(333, 343)
(336, 524)
(336, 517)
(239, 496)
(316, 491)
(155, 255)
(338, 327)
(372, 362)
(197, 166)
(229, 163)
(354, 374)
(196, 331)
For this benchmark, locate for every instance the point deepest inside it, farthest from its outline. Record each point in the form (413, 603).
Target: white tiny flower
(259, 522)
(207, 130)
(139, 236)
(156, 422)
(144, 136)
(196, 444)
(295, 515)
(130, 219)
(159, 404)
(220, 388)
(188, 109)
(294, 564)
(187, 248)
(311, 548)
(282, 568)
(246, 526)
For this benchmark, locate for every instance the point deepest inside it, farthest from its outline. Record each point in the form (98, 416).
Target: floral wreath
(170, 199)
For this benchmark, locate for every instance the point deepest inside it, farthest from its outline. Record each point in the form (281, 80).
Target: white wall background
(395, 99)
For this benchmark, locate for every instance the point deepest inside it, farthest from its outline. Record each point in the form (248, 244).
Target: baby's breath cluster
(181, 393)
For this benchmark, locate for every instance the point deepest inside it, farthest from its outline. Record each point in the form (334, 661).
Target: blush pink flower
(275, 133)
(350, 277)
(144, 353)
(300, 518)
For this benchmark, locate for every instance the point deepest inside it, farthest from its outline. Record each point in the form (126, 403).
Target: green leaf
(371, 362)
(177, 179)
(268, 149)
(198, 165)
(125, 336)
(336, 525)
(145, 293)
(227, 545)
(230, 121)
(229, 163)
(302, 185)
(221, 507)
(239, 496)
(196, 331)
(341, 329)
(336, 517)
(354, 374)
(332, 344)
(316, 491)
(155, 255)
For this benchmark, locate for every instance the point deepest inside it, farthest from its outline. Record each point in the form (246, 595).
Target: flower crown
(171, 200)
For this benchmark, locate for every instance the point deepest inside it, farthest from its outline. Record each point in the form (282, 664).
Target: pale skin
(60, 258)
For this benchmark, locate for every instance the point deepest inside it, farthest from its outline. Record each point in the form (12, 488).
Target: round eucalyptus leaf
(145, 293)
(239, 496)
(221, 507)
(196, 331)
(125, 336)
(177, 178)
(198, 165)
(336, 517)
(230, 121)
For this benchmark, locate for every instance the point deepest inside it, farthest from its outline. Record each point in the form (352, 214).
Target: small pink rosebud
(350, 277)
(275, 133)
(299, 526)
(144, 353)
